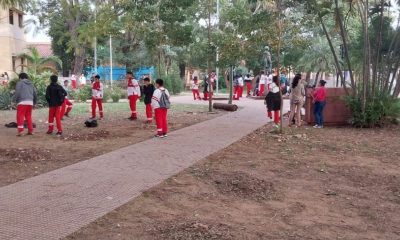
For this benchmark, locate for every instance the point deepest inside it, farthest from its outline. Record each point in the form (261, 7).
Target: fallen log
(225, 106)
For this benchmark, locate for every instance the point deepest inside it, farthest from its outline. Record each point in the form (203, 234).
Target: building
(12, 40)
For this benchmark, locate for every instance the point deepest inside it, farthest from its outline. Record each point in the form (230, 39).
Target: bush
(83, 94)
(5, 98)
(379, 110)
(115, 93)
(174, 84)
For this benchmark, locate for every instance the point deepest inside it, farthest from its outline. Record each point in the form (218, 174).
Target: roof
(44, 49)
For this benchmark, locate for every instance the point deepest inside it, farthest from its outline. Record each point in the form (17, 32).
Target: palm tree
(12, 3)
(37, 63)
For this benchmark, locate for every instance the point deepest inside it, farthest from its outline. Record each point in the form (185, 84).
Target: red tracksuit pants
(248, 86)
(161, 120)
(73, 84)
(96, 102)
(241, 88)
(66, 107)
(261, 90)
(24, 112)
(276, 116)
(149, 113)
(132, 104)
(55, 113)
(196, 94)
(236, 92)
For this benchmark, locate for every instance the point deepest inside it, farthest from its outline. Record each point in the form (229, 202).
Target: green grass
(82, 109)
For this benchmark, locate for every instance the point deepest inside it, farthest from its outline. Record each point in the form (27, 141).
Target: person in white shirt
(241, 86)
(97, 97)
(73, 81)
(134, 94)
(195, 88)
(82, 80)
(160, 103)
(263, 81)
(273, 100)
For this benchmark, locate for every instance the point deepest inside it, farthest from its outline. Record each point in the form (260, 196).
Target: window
(21, 20)
(11, 17)
(22, 64)
(14, 59)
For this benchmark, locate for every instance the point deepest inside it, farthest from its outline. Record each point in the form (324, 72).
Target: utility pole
(111, 62)
(95, 36)
(210, 86)
(217, 57)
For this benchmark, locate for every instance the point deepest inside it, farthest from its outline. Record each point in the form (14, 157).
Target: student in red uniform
(67, 105)
(195, 88)
(55, 96)
(319, 99)
(148, 90)
(25, 97)
(160, 103)
(97, 97)
(133, 94)
(273, 100)
(248, 81)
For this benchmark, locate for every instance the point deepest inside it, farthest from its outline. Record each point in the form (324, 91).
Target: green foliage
(83, 94)
(379, 110)
(5, 98)
(174, 84)
(41, 81)
(114, 93)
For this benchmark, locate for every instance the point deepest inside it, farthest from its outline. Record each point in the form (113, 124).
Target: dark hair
(275, 79)
(322, 83)
(296, 80)
(195, 78)
(66, 81)
(53, 78)
(97, 76)
(129, 72)
(160, 82)
(23, 76)
(262, 72)
(146, 79)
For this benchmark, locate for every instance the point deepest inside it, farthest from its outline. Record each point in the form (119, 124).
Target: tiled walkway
(55, 204)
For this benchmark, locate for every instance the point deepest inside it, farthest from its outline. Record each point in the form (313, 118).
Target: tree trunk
(182, 71)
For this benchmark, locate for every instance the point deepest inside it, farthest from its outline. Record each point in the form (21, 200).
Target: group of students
(155, 98)
(208, 83)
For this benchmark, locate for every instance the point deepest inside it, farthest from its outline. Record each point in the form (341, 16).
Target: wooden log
(225, 106)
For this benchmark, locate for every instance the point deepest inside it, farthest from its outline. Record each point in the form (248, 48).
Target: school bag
(91, 123)
(164, 100)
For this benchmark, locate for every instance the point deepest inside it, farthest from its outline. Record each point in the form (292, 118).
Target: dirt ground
(27, 156)
(335, 183)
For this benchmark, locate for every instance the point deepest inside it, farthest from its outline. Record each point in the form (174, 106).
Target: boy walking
(25, 97)
(148, 90)
(97, 97)
(133, 94)
(67, 105)
(55, 96)
(160, 103)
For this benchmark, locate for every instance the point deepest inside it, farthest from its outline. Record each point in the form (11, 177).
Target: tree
(38, 64)
(12, 3)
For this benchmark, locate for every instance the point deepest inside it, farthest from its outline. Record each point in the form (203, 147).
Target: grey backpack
(164, 100)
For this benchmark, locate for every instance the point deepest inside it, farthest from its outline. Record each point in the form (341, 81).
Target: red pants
(149, 113)
(55, 112)
(236, 93)
(248, 86)
(196, 94)
(96, 102)
(132, 104)
(207, 95)
(65, 110)
(161, 120)
(24, 112)
(276, 116)
(73, 84)
(241, 88)
(261, 90)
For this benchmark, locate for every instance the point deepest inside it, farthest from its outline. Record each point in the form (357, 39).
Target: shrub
(174, 84)
(5, 98)
(83, 94)
(379, 110)
(115, 93)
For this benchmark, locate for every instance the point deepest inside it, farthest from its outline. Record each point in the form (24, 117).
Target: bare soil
(335, 183)
(27, 156)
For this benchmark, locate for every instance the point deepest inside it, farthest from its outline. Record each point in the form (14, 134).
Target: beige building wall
(12, 41)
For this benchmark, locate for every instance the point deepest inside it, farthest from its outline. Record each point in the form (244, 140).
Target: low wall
(335, 112)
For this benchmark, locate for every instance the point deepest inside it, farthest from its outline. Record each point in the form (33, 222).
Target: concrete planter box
(335, 112)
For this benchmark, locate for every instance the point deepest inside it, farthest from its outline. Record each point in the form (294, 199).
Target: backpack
(164, 100)
(91, 123)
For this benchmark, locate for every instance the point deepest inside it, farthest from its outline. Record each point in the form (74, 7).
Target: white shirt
(82, 80)
(98, 93)
(240, 81)
(195, 86)
(263, 79)
(135, 89)
(156, 97)
(274, 88)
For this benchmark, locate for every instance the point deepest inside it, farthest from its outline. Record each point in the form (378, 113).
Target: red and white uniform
(240, 87)
(133, 95)
(160, 113)
(67, 105)
(261, 87)
(97, 99)
(73, 81)
(195, 90)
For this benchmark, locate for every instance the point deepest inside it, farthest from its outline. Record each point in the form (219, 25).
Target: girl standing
(273, 100)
